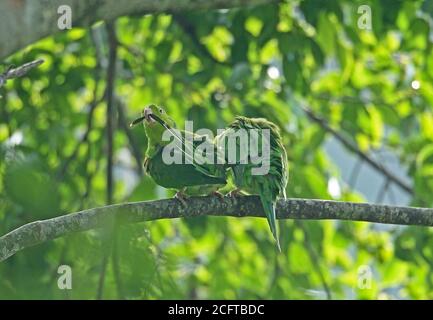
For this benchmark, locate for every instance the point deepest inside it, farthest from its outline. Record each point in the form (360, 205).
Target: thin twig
(84, 139)
(136, 52)
(133, 145)
(315, 260)
(17, 72)
(102, 272)
(354, 148)
(110, 96)
(116, 266)
(381, 194)
(111, 76)
(90, 175)
(355, 173)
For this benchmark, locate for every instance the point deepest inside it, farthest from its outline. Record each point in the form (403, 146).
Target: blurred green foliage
(209, 67)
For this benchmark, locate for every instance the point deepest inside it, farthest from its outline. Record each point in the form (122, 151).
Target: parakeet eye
(161, 111)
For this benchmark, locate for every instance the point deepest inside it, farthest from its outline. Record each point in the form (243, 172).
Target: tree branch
(25, 22)
(249, 206)
(20, 71)
(353, 147)
(111, 78)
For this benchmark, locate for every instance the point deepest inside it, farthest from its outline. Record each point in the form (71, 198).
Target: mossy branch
(249, 206)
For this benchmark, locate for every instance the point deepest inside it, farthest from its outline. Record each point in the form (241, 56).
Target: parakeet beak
(146, 116)
(137, 121)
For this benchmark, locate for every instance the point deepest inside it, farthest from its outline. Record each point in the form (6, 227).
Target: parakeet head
(156, 121)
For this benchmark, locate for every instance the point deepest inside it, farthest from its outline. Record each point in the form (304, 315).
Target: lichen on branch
(248, 206)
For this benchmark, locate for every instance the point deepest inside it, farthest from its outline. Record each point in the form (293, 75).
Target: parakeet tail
(269, 208)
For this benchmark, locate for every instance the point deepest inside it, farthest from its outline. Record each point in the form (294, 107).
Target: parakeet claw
(217, 194)
(182, 197)
(234, 193)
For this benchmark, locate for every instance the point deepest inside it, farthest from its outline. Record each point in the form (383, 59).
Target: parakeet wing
(184, 174)
(272, 182)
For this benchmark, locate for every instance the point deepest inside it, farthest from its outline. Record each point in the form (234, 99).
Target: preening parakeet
(259, 169)
(269, 176)
(190, 178)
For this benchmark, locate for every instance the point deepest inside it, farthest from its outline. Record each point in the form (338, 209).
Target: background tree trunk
(23, 22)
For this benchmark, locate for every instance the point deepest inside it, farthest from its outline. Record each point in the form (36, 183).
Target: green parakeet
(190, 178)
(267, 178)
(259, 169)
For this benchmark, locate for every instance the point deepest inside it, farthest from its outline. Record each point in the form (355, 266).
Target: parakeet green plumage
(190, 178)
(270, 185)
